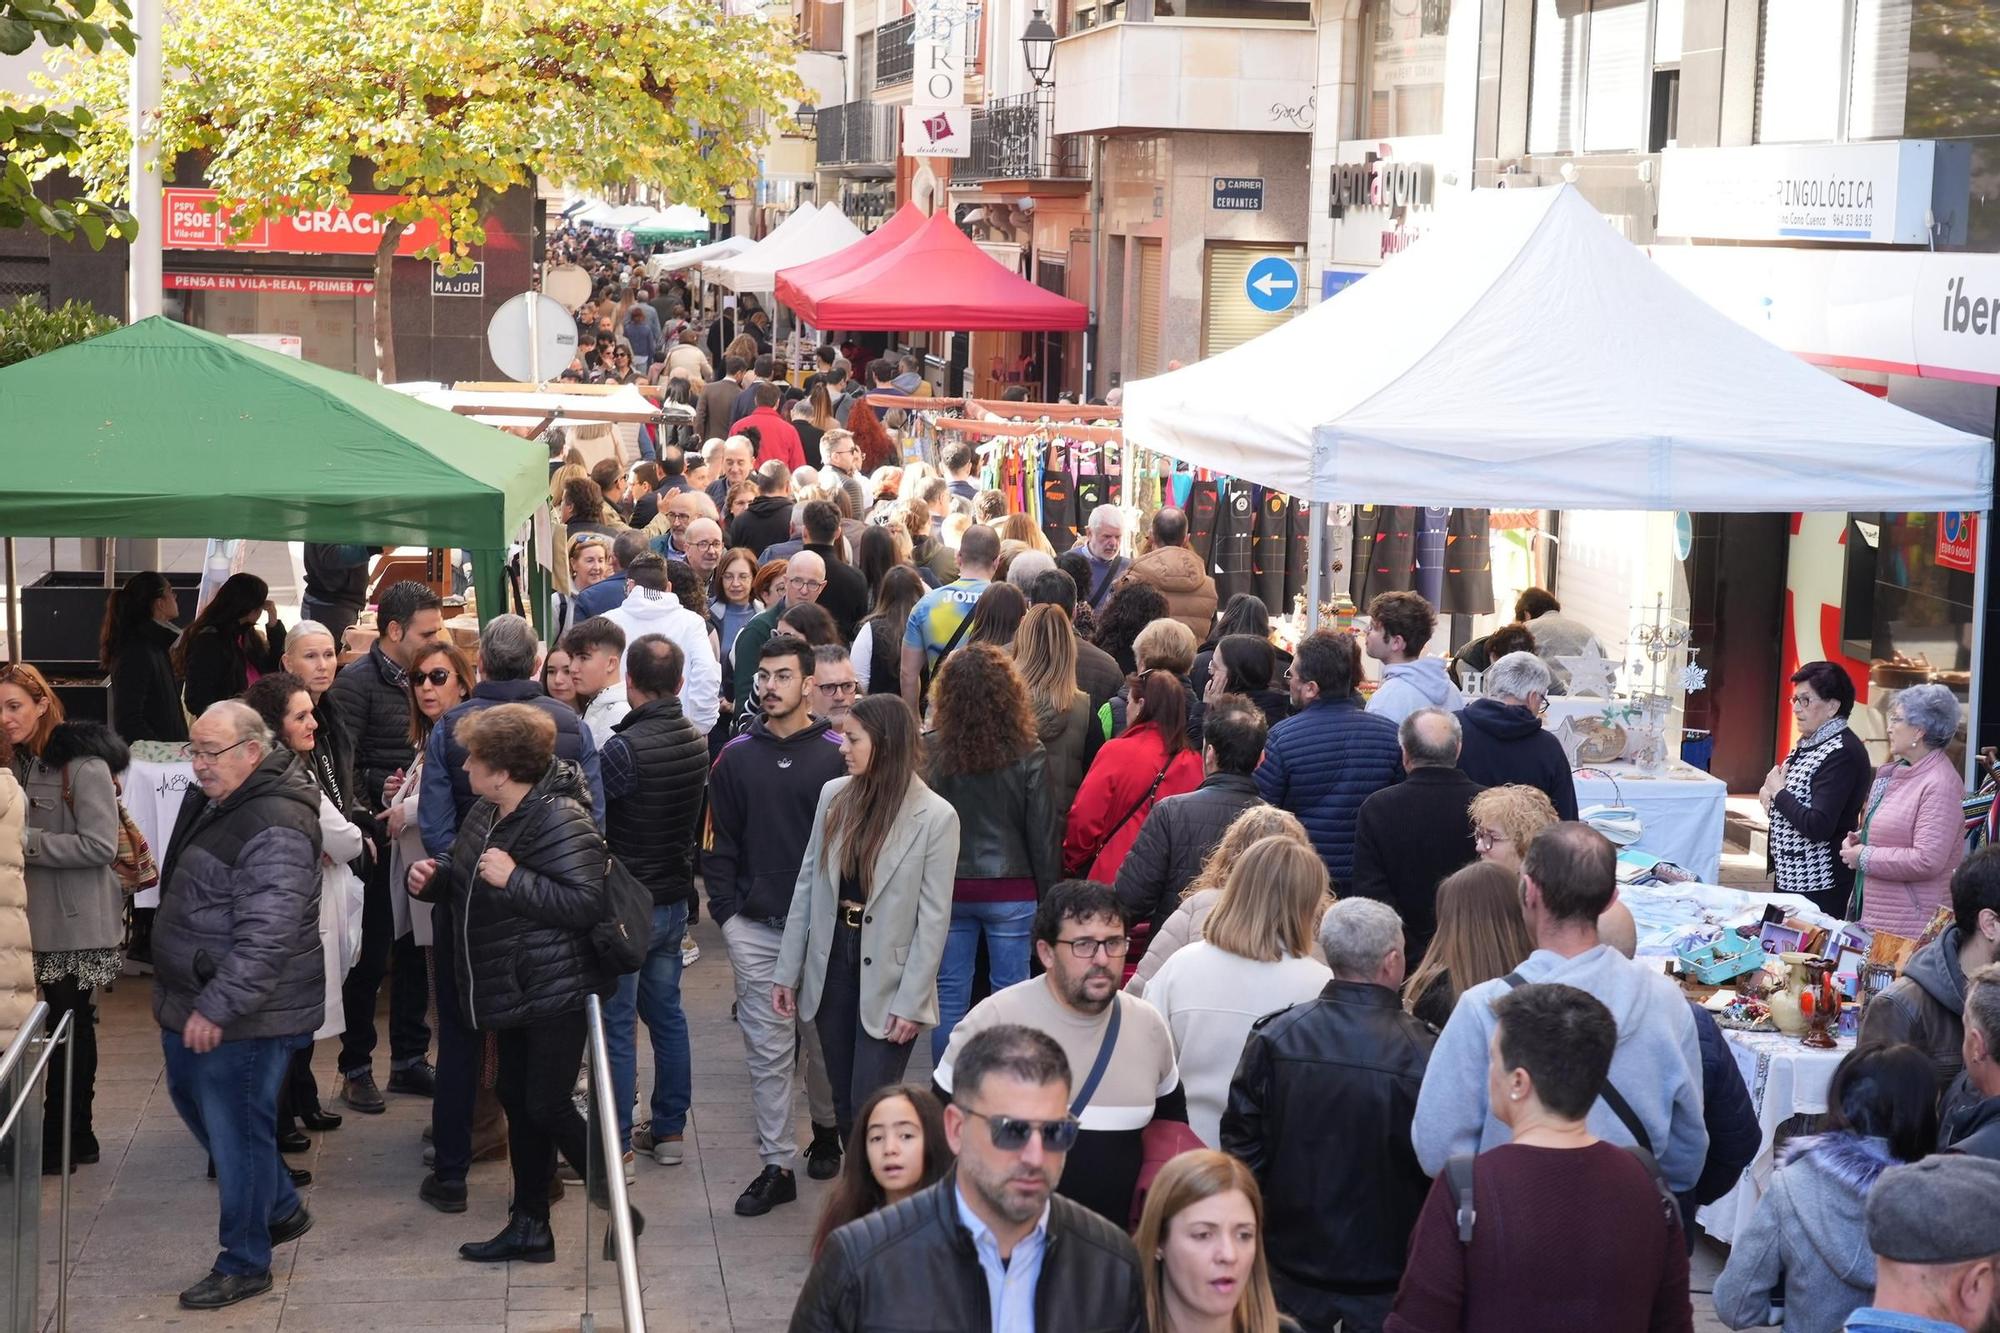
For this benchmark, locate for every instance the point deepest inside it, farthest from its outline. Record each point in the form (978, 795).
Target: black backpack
(622, 940)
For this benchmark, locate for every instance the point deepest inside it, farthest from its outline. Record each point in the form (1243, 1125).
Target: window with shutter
(1149, 297)
(1229, 318)
(1880, 78)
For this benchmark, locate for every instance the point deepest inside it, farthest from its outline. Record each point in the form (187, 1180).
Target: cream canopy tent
(714, 252)
(755, 270)
(1524, 354)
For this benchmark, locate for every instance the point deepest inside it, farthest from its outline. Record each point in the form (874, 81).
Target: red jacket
(777, 437)
(1095, 842)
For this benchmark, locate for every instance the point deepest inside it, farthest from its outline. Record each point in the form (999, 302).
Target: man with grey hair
(843, 464)
(239, 979)
(508, 653)
(1101, 540)
(1975, 1126)
(1026, 567)
(1504, 739)
(1409, 836)
(1337, 1211)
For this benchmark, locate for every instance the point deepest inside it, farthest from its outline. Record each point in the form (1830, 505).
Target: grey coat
(1810, 1234)
(907, 918)
(237, 935)
(74, 901)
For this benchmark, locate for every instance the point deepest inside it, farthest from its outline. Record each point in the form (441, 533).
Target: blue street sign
(1272, 283)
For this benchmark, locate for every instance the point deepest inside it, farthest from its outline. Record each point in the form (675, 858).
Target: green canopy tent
(161, 430)
(679, 223)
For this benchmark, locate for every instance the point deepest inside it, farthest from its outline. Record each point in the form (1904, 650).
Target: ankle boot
(525, 1238)
(611, 1236)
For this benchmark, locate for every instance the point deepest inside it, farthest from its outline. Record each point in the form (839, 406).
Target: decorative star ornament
(1591, 673)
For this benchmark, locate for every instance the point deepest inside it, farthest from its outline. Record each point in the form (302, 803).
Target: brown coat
(17, 955)
(1177, 573)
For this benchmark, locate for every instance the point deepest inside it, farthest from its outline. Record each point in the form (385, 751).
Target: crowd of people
(1241, 983)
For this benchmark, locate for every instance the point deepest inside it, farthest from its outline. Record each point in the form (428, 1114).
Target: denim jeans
(1006, 926)
(229, 1099)
(653, 993)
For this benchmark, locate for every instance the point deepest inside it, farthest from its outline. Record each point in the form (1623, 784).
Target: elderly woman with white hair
(1504, 738)
(1912, 833)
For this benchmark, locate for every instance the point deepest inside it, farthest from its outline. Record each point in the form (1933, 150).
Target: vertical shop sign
(937, 122)
(1956, 544)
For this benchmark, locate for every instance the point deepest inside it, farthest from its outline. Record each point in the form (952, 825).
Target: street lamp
(1038, 45)
(807, 116)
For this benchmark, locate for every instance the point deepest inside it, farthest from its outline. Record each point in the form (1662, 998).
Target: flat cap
(1942, 1210)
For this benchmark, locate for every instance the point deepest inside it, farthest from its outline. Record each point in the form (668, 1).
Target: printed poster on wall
(1956, 545)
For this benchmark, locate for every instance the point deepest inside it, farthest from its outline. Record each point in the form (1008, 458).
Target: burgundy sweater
(1565, 1238)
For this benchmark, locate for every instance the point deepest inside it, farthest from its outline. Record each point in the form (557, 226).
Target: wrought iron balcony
(855, 133)
(895, 58)
(1011, 140)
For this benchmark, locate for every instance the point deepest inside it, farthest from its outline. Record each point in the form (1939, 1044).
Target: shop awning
(938, 279)
(1525, 355)
(793, 284)
(161, 430)
(826, 232)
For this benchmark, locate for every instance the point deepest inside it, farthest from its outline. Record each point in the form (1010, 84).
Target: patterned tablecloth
(1785, 1079)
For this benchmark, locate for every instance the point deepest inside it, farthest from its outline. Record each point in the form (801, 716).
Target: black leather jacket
(1338, 1209)
(1007, 825)
(913, 1266)
(1176, 838)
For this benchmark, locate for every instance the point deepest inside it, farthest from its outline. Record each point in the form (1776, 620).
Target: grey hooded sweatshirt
(1807, 1244)
(1408, 686)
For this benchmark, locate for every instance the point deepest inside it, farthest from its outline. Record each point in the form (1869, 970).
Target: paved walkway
(143, 1225)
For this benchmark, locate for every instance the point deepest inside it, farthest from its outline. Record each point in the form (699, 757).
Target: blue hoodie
(1408, 686)
(1657, 1065)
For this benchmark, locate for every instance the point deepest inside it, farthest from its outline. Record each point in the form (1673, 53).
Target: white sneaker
(666, 1151)
(690, 951)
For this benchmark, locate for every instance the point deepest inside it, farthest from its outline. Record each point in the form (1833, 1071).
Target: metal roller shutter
(1229, 318)
(1149, 309)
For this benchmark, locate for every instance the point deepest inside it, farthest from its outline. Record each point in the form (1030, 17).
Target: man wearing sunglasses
(1080, 937)
(990, 1246)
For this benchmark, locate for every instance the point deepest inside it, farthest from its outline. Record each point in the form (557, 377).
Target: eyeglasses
(1010, 1133)
(1542, 707)
(705, 546)
(1116, 947)
(763, 678)
(1487, 839)
(1804, 700)
(435, 676)
(807, 585)
(210, 756)
(838, 686)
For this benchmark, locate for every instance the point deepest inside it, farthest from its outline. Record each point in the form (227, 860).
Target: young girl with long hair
(875, 881)
(136, 647)
(898, 1148)
(1480, 936)
(223, 651)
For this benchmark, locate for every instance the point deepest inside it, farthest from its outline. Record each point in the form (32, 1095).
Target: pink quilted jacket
(1915, 838)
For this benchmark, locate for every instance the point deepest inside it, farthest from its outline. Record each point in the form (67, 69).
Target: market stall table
(1785, 1078)
(1680, 811)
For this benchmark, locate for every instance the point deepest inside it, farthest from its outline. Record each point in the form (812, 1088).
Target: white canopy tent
(793, 243)
(673, 261)
(1523, 354)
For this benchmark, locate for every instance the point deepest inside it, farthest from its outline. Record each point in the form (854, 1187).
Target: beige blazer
(902, 932)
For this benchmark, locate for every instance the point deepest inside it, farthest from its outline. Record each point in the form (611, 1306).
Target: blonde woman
(1045, 656)
(1198, 899)
(1251, 961)
(1201, 1249)
(1505, 820)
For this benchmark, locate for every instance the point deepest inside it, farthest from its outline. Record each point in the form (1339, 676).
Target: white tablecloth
(1785, 1079)
(1680, 811)
(153, 792)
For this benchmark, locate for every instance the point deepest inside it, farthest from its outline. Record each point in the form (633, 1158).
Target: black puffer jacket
(237, 936)
(374, 704)
(1338, 1209)
(523, 951)
(651, 828)
(1926, 1007)
(1007, 826)
(1176, 838)
(916, 1255)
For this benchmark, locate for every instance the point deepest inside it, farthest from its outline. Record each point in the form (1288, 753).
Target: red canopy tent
(936, 279)
(794, 283)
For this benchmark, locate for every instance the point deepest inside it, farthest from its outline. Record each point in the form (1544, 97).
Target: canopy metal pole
(1315, 562)
(489, 583)
(1975, 693)
(13, 611)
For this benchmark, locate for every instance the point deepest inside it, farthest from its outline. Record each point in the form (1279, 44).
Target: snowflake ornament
(1693, 678)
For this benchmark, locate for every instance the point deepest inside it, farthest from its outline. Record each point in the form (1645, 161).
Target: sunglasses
(1010, 1133)
(435, 676)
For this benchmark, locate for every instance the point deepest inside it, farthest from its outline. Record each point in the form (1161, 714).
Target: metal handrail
(614, 1167)
(25, 1037)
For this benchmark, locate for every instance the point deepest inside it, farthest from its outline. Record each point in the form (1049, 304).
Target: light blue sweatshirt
(1408, 686)
(1657, 1065)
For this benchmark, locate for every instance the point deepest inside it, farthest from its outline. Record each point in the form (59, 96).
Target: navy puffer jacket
(1321, 764)
(523, 951)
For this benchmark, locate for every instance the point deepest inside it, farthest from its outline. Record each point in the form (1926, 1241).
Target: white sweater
(1210, 997)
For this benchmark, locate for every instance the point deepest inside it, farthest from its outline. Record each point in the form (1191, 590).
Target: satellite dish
(532, 338)
(568, 284)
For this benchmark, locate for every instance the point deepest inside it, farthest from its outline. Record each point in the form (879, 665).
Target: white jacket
(648, 612)
(340, 902)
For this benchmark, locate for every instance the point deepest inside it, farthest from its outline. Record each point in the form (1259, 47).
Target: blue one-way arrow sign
(1272, 283)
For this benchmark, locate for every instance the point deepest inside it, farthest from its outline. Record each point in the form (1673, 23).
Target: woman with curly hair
(1190, 920)
(984, 758)
(1505, 819)
(1131, 609)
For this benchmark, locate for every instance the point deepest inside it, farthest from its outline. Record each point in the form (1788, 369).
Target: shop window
(1405, 67)
(1590, 81)
(1834, 70)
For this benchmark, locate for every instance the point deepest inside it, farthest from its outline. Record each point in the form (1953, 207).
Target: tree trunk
(385, 322)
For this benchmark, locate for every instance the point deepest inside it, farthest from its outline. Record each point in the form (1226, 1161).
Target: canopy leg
(489, 583)
(1975, 692)
(13, 611)
(1315, 562)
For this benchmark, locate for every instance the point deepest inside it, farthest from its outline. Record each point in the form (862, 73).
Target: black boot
(525, 1238)
(823, 1153)
(610, 1236)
